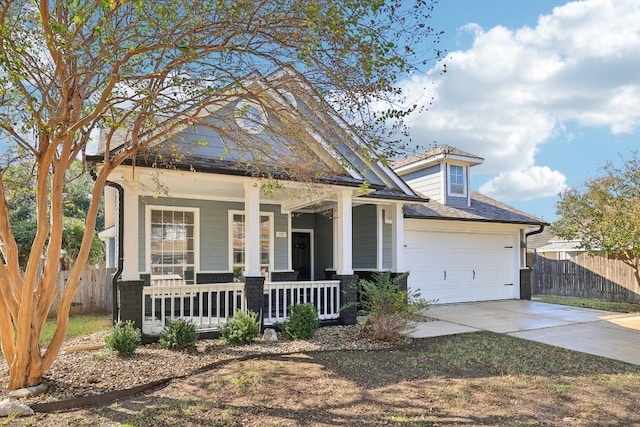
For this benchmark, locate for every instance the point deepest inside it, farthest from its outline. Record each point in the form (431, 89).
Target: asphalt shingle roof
(483, 209)
(443, 150)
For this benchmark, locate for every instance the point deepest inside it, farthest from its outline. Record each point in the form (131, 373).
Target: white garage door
(457, 267)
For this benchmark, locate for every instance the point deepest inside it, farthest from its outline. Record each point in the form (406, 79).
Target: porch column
(344, 227)
(252, 229)
(397, 238)
(131, 269)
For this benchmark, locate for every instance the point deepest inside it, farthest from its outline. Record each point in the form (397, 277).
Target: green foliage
(178, 334)
(21, 201)
(241, 328)
(303, 322)
(605, 214)
(124, 338)
(72, 234)
(390, 309)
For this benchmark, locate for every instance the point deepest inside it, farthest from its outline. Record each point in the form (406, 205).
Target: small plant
(303, 322)
(124, 338)
(241, 328)
(178, 334)
(390, 309)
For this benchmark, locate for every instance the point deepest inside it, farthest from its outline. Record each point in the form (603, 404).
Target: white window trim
(464, 181)
(196, 233)
(231, 213)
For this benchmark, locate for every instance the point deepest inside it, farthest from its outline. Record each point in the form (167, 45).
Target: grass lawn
(620, 307)
(79, 325)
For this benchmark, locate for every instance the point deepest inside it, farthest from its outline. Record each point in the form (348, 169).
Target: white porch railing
(324, 295)
(207, 306)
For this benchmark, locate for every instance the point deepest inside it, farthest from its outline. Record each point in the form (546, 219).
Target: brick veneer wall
(130, 301)
(348, 296)
(225, 277)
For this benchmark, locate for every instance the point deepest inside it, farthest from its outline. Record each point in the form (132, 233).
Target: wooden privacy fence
(585, 276)
(94, 291)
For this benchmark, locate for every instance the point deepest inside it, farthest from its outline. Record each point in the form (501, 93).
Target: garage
(462, 266)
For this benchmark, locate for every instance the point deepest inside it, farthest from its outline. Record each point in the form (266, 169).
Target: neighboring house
(561, 249)
(214, 227)
(537, 239)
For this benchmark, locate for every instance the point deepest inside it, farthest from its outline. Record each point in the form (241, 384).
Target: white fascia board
(342, 161)
(386, 174)
(420, 164)
(395, 178)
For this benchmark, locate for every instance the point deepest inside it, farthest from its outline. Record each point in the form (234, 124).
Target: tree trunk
(26, 370)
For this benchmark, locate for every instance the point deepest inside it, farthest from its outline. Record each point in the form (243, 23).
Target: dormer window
(457, 181)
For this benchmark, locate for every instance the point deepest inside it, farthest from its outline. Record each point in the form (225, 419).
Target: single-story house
(561, 249)
(208, 234)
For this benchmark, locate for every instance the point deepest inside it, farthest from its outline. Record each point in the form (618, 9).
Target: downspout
(532, 233)
(120, 228)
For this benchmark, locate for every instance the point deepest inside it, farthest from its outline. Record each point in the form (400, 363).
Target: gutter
(120, 228)
(531, 233)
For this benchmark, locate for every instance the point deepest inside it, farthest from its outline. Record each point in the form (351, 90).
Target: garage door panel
(455, 267)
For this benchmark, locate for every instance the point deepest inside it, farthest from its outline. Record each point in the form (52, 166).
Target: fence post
(349, 296)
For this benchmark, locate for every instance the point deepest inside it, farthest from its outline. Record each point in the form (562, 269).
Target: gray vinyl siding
(456, 201)
(214, 231)
(364, 236)
(426, 181)
(323, 245)
(304, 221)
(280, 244)
(387, 247)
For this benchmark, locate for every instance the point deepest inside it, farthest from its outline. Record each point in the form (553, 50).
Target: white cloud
(526, 184)
(515, 89)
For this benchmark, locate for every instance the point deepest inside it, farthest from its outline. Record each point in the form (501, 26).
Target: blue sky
(546, 91)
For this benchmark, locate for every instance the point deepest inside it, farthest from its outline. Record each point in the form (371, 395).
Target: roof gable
(290, 131)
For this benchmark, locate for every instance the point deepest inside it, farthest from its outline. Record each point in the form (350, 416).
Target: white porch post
(252, 229)
(131, 270)
(397, 238)
(344, 227)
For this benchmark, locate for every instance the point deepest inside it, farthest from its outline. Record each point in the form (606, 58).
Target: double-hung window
(171, 242)
(457, 181)
(238, 241)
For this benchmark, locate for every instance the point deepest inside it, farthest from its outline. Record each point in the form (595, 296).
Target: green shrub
(241, 328)
(303, 322)
(123, 338)
(390, 310)
(178, 334)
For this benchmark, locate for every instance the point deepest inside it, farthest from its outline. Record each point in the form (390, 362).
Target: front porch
(209, 306)
(224, 245)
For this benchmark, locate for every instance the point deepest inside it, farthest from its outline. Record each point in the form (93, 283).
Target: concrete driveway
(602, 333)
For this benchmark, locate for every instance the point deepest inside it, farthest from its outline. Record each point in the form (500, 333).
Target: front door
(301, 254)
